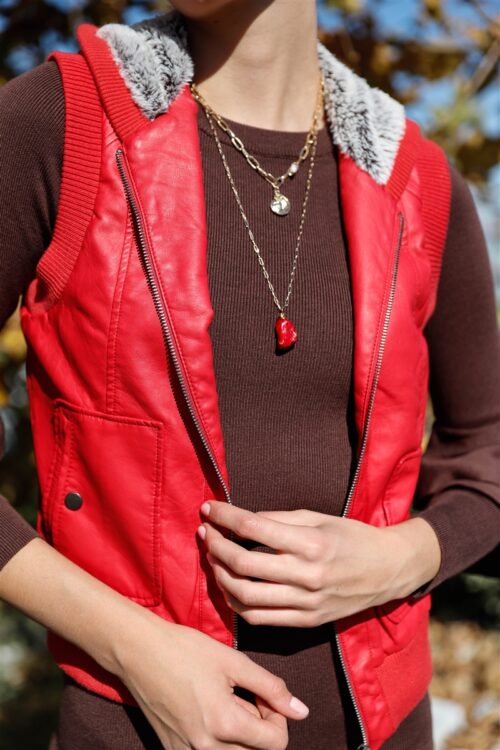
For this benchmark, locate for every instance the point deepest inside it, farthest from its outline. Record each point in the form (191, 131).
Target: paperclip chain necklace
(280, 204)
(285, 330)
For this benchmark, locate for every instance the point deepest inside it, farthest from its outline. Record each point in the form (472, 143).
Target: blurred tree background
(439, 58)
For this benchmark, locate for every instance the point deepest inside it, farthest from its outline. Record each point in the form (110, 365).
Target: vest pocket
(399, 621)
(400, 488)
(103, 505)
(397, 502)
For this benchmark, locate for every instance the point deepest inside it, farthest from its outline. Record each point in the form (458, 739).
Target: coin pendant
(280, 204)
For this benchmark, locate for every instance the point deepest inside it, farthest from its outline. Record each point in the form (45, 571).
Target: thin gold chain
(280, 307)
(275, 182)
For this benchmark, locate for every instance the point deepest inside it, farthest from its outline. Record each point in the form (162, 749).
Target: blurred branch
(493, 22)
(483, 70)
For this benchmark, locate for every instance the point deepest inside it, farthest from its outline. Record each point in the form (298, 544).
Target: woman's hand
(325, 568)
(183, 681)
(181, 678)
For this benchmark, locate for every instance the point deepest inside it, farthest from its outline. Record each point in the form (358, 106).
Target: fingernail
(210, 558)
(202, 531)
(205, 509)
(299, 707)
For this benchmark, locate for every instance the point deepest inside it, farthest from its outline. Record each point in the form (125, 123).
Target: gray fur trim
(365, 122)
(153, 60)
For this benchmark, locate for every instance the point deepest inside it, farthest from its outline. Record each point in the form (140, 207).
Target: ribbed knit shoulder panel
(79, 180)
(405, 159)
(420, 153)
(435, 179)
(123, 113)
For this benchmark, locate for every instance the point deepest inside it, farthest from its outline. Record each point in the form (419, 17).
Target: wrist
(137, 625)
(46, 586)
(417, 552)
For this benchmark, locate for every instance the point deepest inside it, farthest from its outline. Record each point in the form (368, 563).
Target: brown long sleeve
(460, 475)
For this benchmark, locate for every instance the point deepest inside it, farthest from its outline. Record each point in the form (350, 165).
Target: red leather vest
(121, 384)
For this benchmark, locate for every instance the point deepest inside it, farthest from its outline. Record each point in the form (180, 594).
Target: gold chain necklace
(285, 330)
(280, 204)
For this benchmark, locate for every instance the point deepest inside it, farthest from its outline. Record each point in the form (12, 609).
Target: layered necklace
(285, 330)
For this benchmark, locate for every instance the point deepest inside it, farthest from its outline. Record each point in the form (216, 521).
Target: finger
(252, 564)
(301, 517)
(275, 616)
(258, 593)
(270, 688)
(248, 525)
(253, 731)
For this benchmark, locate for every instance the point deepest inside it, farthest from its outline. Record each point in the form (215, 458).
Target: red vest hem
(86, 671)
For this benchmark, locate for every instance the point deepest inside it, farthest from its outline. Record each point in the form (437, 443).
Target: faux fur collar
(365, 122)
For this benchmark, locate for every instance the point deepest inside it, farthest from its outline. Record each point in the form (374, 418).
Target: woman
(142, 322)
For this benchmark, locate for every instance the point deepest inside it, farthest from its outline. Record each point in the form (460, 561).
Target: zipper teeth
(378, 366)
(364, 735)
(151, 279)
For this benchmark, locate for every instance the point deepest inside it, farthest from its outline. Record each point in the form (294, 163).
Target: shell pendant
(280, 205)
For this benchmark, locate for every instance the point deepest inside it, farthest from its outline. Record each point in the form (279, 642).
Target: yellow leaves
(347, 6)
(382, 58)
(467, 671)
(434, 9)
(352, 6)
(162, 6)
(481, 37)
(12, 343)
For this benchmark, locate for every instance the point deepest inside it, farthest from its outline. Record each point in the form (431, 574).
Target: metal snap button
(73, 500)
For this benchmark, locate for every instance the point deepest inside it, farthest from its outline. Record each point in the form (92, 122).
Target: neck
(256, 63)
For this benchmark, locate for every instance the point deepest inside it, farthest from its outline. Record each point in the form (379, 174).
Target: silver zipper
(378, 367)
(167, 336)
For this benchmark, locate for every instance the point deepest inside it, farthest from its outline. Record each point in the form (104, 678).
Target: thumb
(272, 689)
(268, 714)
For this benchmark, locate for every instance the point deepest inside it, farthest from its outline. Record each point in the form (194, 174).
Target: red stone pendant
(286, 333)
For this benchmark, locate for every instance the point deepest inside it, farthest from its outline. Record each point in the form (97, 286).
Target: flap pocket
(400, 620)
(395, 610)
(106, 490)
(397, 502)
(400, 489)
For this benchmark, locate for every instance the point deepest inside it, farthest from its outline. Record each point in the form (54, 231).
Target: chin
(198, 9)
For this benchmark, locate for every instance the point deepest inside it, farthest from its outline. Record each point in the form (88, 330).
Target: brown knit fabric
(287, 418)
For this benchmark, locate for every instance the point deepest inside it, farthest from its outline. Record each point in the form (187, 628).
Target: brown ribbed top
(287, 418)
